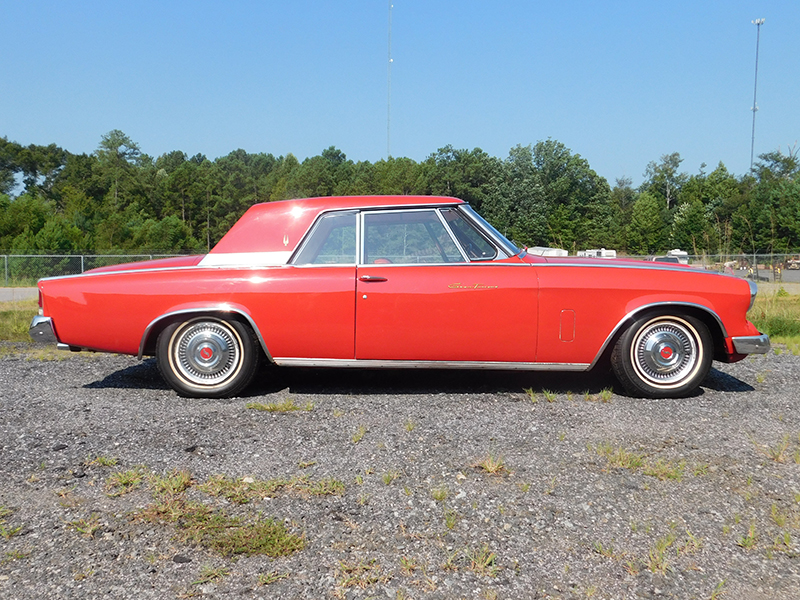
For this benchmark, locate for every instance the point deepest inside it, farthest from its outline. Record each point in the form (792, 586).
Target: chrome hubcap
(665, 352)
(206, 353)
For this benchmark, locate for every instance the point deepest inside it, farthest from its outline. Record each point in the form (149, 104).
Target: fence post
(81, 263)
(5, 260)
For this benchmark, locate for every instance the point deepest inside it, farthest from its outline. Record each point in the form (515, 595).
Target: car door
(311, 309)
(424, 296)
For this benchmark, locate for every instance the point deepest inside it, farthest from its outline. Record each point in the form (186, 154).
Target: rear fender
(157, 325)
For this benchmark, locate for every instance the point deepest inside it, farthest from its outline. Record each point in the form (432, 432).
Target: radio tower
(389, 91)
(758, 23)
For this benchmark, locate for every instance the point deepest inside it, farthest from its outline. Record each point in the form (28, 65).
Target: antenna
(389, 91)
(758, 23)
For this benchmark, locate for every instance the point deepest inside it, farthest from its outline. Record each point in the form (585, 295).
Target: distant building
(598, 253)
(542, 251)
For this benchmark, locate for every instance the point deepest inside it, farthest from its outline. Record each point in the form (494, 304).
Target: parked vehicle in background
(666, 259)
(681, 255)
(398, 282)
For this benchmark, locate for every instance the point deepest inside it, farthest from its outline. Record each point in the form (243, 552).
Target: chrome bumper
(41, 330)
(751, 344)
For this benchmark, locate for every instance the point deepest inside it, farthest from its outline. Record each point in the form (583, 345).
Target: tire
(207, 357)
(663, 356)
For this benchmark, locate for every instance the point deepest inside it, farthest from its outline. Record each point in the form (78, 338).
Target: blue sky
(620, 83)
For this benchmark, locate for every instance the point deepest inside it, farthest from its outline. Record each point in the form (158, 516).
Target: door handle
(371, 278)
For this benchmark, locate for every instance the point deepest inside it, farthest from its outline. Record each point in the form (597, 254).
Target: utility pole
(389, 91)
(758, 23)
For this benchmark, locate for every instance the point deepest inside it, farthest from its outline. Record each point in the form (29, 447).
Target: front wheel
(663, 356)
(207, 357)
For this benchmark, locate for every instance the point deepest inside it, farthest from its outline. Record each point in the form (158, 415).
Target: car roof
(279, 226)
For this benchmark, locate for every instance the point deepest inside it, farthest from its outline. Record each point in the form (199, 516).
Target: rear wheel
(663, 356)
(207, 357)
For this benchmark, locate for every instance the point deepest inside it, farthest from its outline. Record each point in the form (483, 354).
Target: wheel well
(677, 310)
(148, 346)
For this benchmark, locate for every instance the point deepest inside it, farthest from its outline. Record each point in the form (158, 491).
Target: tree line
(119, 199)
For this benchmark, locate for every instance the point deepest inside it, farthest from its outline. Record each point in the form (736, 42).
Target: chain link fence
(23, 270)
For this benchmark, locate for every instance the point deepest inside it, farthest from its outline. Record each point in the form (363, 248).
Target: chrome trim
(41, 330)
(429, 364)
(609, 264)
(90, 274)
(211, 310)
(632, 315)
(753, 292)
(751, 344)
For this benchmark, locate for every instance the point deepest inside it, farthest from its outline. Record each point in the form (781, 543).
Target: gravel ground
(594, 497)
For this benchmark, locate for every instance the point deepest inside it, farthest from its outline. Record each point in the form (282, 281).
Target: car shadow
(424, 381)
(722, 382)
(270, 380)
(143, 375)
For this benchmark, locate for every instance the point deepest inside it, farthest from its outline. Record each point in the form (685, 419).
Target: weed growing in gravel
(13, 555)
(5, 531)
(748, 542)
(200, 524)
(531, 395)
(657, 556)
(86, 527)
(287, 405)
(524, 487)
(482, 561)
(451, 518)
(101, 461)
(665, 470)
(492, 463)
(606, 551)
(390, 476)
(409, 425)
(271, 577)
(776, 452)
(408, 565)
(549, 395)
(122, 482)
(440, 493)
(359, 434)
(210, 574)
(619, 457)
(337, 413)
(606, 394)
(304, 464)
(245, 489)
(551, 487)
(359, 574)
(718, 591)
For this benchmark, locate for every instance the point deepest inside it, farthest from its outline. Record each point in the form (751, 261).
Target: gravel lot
(622, 498)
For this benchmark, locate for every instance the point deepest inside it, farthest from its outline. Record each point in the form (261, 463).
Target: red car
(398, 281)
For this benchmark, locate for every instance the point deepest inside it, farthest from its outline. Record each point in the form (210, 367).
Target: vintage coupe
(398, 282)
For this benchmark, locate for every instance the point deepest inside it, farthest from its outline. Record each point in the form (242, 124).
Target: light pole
(758, 23)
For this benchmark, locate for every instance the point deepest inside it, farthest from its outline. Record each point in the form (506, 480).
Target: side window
(332, 242)
(474, 244)
(408, 237)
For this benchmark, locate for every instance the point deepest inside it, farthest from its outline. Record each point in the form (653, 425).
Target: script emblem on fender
(471, 286)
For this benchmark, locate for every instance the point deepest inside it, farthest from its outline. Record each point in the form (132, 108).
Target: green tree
(646, 232)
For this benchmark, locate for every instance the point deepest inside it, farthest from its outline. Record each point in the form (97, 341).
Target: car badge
(286, 240)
